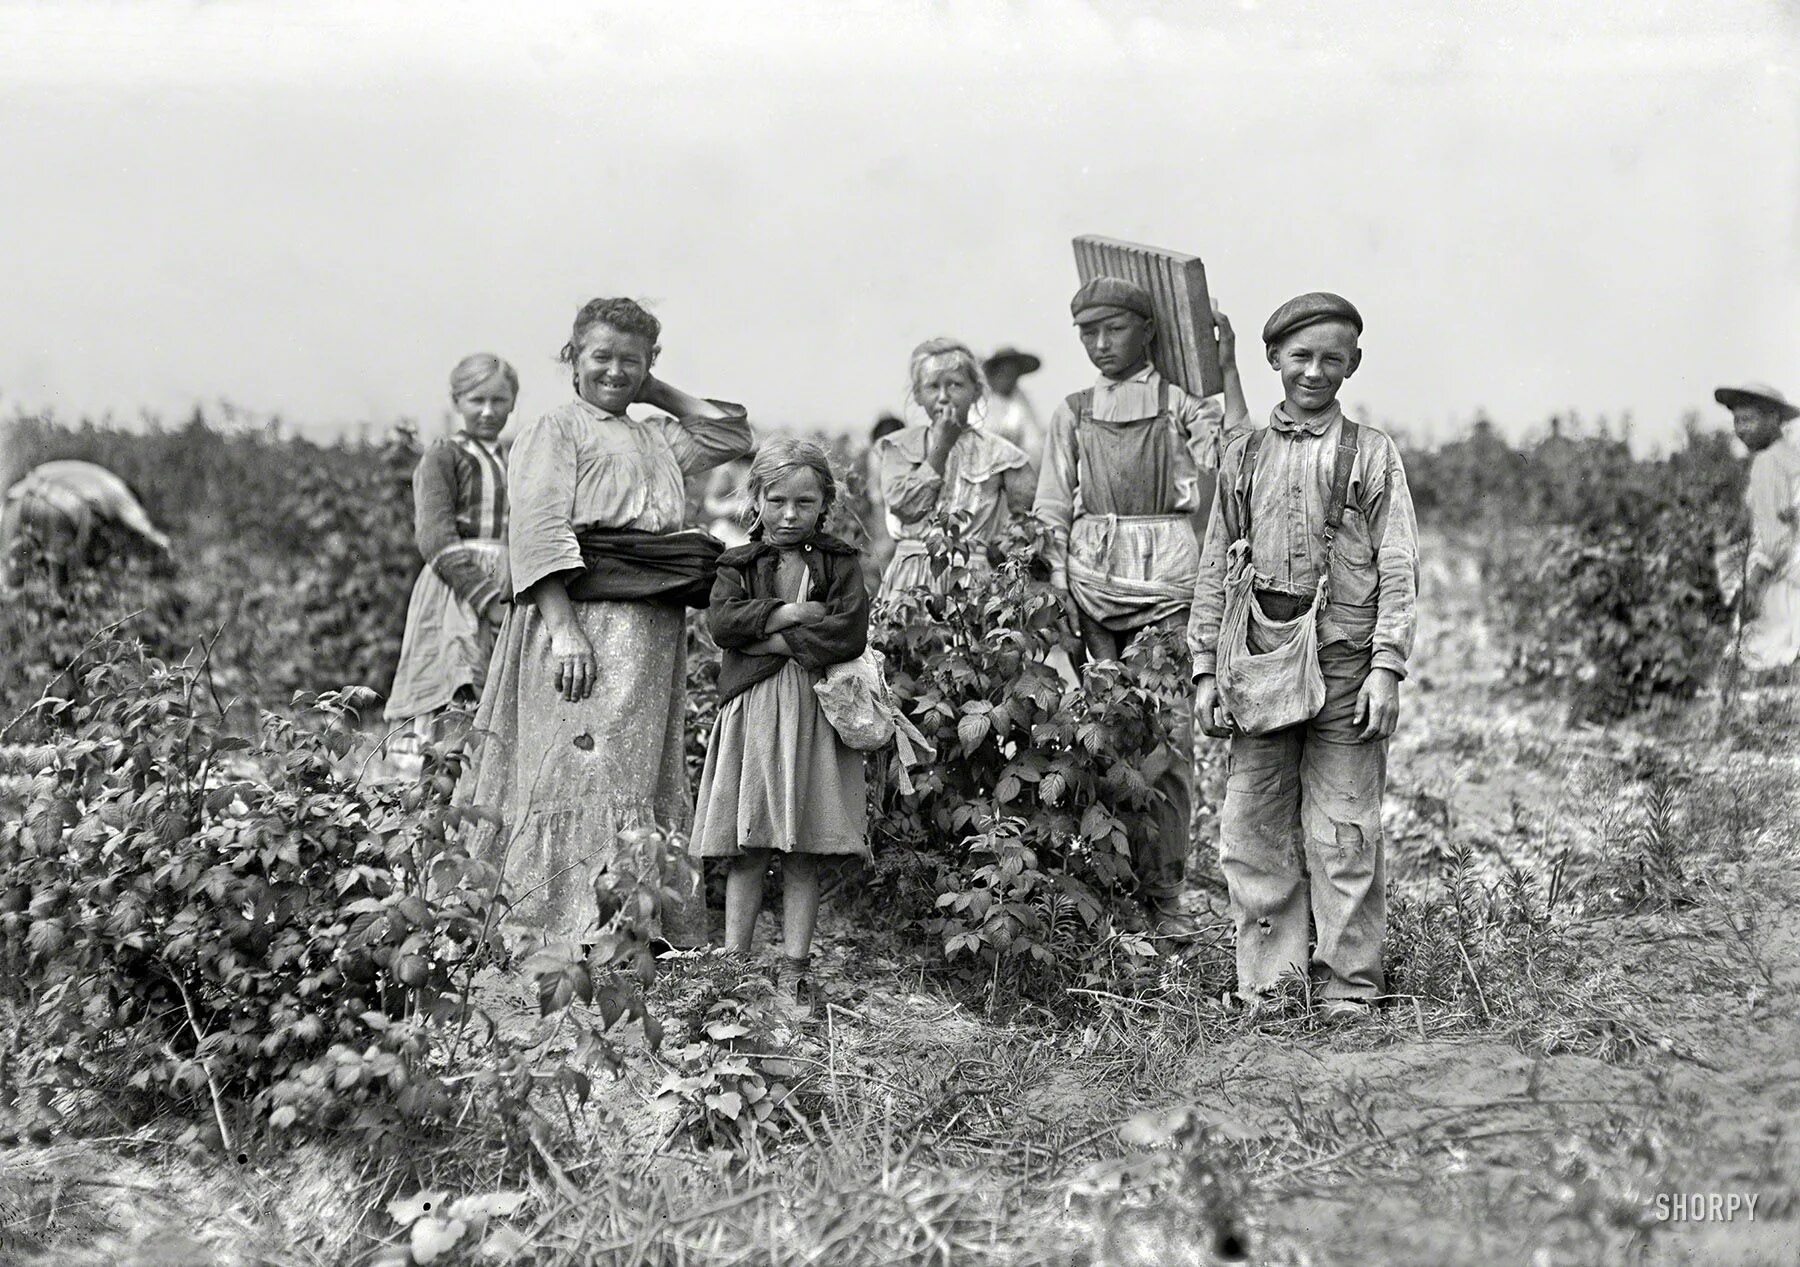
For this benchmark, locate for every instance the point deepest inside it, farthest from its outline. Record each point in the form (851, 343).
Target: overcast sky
(316, 209)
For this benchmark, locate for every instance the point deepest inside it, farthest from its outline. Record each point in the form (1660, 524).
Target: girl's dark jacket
(743, 599)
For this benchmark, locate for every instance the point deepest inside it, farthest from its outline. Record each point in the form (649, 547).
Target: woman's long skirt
(568, 778)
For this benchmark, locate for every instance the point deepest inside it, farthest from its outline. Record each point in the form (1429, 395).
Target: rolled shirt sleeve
(540, 489)
(700, 443)
(1054, 505)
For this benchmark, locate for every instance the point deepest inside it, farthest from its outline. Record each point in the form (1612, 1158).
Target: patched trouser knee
(1340, 792)
(1259, 832)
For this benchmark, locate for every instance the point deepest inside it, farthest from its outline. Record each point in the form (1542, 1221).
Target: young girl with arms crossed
(785, 607)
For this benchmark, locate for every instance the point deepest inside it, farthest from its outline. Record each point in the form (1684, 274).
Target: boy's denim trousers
(1300, 838)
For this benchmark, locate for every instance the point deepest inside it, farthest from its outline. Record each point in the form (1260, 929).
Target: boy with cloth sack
(1302, 623)
(1120, 487)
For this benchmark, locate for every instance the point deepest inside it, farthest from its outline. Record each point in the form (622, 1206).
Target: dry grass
(1593, 951)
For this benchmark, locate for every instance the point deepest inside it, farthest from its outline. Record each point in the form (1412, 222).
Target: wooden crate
(1186, 351)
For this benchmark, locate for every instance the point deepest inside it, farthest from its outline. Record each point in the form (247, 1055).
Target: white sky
(317, 208)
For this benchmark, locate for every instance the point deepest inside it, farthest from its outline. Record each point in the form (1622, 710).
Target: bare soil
(950, 1129)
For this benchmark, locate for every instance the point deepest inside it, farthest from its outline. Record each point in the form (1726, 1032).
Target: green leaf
(726, 1103)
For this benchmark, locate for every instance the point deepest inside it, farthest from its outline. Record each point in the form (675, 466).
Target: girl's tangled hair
(932, 349)
(474, 370)
(782, 455)
(624, 315)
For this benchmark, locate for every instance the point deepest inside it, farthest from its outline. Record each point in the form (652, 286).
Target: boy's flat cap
(1111, 292)
(1309, 309)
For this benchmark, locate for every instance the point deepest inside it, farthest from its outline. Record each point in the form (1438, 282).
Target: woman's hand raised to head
(652, 392)
(672, 400)
(577, 669)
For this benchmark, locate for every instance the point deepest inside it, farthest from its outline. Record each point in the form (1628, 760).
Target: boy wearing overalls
(1300, 832)
(1119, 488)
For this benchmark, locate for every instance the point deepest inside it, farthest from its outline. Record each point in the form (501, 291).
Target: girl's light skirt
(777, 777)
(447, 645)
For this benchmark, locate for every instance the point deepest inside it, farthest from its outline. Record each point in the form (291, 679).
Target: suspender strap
(1237, 506)
(1349, 438)
(1081, 404)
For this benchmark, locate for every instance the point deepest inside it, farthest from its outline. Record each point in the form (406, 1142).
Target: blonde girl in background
(459, 526)
(947, 464)
(785, 607)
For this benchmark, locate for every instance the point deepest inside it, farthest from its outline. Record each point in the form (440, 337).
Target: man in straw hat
(71, 514)
(1011, 415)
(1771, 600)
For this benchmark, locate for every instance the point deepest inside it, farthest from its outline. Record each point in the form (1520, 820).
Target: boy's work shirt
(1375, 570)
(1117, 469)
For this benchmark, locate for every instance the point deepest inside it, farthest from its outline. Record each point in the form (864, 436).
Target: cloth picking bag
(1274, 689)
(860, 707)
(1284, 686)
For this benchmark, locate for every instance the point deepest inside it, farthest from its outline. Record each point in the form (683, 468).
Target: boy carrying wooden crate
(1302, 623)
(1120, 487)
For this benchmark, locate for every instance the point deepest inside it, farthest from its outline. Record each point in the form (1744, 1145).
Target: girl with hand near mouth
(778, 780)
(582, 720)
(947, 464)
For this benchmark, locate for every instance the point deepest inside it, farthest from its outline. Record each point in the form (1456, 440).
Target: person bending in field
(459, 526)
(1300, 832)
(581, 724)
(1121, 486)
(1763, 419)
(777, 779)
(68, 515)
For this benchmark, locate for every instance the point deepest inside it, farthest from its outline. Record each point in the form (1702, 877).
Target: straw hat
(1757, 394)
(1027, 363)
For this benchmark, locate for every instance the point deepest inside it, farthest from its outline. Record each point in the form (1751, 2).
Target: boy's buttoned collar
(1281, 420)
(1144, 375)
(1126, 399)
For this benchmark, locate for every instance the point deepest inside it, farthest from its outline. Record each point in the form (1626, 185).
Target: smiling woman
(581, 723)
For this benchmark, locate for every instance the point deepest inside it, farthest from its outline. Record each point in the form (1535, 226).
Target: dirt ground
(1544, 1122)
